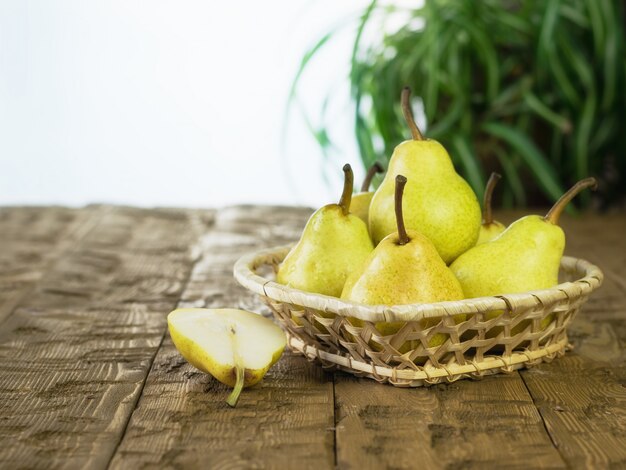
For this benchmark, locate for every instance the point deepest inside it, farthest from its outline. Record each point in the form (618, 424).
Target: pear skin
(525, 257)
(490, 228)
(360, 205)
(490, 231)
(438, 202)
(395, 274)
(333, 243)
(404, 268)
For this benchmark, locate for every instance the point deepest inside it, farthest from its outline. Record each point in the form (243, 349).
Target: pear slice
(234, 346)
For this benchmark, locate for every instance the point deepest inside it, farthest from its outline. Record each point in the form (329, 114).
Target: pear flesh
(234, 346)
(438, 202)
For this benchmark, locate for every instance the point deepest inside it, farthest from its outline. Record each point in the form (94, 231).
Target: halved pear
(234, 346)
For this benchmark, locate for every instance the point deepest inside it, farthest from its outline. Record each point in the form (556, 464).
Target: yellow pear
(234, 346)
(490, 228)
(404, 268)
(361, 201)
(525, 257)
(438, 202)
(333, 243)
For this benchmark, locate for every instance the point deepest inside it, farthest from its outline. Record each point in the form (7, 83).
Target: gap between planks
(194, 262)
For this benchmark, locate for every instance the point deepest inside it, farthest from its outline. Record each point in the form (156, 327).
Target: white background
(176, 103)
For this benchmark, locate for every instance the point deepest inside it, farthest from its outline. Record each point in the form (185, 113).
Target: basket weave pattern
(395, 344)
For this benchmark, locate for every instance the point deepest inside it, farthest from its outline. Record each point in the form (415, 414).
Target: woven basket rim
(245, 273)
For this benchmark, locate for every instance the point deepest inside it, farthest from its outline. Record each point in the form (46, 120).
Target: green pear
(234, 346)
(439, 203)
(404, 268)
(361, 201)
(333, 243)
(490, 228)
(525, 257)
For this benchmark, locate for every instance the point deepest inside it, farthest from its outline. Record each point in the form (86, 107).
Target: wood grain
(75, 352)
(467, 424)
(582, 396)
(87, 378)
(182, 420)
(31, 238)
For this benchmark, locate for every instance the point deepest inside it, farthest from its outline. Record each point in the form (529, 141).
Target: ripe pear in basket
(438, 202)
(334, 242)
(525, 257)
(469, 349)
(516, 324)
(490, 228)
(405, 268)
(360, 205)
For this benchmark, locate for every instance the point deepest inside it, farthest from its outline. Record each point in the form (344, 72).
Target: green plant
(532, 89)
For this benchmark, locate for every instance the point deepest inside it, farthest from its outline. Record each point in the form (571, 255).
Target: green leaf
(583, 136)
(534, 103)
(511, 176)
(532, 156)
(470, 163)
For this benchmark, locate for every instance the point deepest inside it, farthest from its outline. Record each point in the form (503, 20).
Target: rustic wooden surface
(89, 377)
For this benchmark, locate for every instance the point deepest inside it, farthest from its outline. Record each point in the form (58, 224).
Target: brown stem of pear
(491, 184)
(408, 113)
(375, 168)
(240, 370)
(557, 209)
(348, 183)
(403, 237)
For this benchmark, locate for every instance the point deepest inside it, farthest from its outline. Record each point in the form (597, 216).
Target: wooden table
(89, 377)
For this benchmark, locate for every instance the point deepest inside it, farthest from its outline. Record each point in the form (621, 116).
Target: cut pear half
(234, 346)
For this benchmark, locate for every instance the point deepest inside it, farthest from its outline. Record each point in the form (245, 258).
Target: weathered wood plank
(182, 420)
(483, 421)
(583, 403)
(467, 424)
(582, 396)
(75, 352)
(31, 238)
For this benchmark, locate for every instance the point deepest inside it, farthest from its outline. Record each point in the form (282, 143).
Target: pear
(234, 346)
(404, 268)
(525, 257)
(490, 228)
(333, 243)
(439, 203)
(361, 201)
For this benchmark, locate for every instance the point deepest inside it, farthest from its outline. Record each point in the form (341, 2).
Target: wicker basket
(529, 328)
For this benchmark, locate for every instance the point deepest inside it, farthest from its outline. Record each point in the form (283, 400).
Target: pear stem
(403, 237)
(348, 183)
(375, 168)
(408, 114)
(240, 370)
(557, 209)
(491, 184)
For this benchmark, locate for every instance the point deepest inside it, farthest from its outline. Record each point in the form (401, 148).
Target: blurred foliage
(534, 89)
